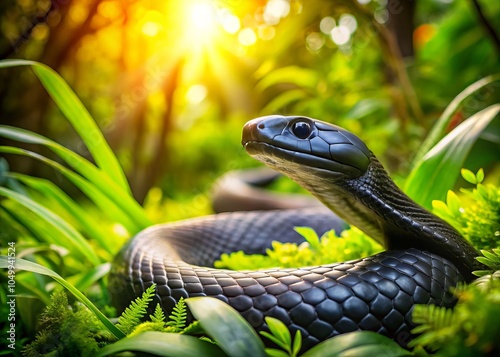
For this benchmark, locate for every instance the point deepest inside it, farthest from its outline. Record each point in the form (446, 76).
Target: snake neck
(378, 207)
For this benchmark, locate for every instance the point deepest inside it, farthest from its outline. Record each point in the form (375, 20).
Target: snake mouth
(289, 161)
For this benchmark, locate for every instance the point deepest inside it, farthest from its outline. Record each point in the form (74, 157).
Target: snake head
(296, 144)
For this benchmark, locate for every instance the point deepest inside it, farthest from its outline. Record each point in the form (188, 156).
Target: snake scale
(425, 256)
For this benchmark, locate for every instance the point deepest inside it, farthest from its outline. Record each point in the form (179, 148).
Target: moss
(67, 331)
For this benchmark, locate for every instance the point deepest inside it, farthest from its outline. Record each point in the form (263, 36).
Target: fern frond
(436, 325)
(177, 319)
(158, 315)
(136, 310)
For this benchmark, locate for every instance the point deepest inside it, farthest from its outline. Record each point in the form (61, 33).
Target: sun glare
(201, 20)
(202, 16)
(150, 28)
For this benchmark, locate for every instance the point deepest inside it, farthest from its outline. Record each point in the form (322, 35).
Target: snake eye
(301, 129)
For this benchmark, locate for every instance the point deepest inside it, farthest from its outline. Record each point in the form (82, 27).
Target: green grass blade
(71, 106)
(359, 344)
(89, 225)
(83, 281)
(112, 209)
(438, 129)
(41, 294)
(75, 241)
(438, 170)
(223, 324)
(17, 214)
(39, 269)
(163, 344)
(107, 186)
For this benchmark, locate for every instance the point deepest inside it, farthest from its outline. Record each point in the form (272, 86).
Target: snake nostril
(261, 126)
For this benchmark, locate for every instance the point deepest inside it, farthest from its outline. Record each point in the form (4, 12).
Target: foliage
(178, 316)
(67, 331)
(137, 309)
(476, 214)
(176, 321)
(351, 244)
(280, 335)
(159, 316)
(22, 264)
(470, 329)
(422, 184)
(492, 261)
(52, 228)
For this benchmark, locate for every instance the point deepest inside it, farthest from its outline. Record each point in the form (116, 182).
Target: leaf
(273, 352)
(282, 100)
(39, 269)
(88, 278)
(281, 332)
(491, 256)
(163, 344)
(453, 202)
(224, 325)
(113, 207)
(75, 242)
(438, 170)
(274, 340)
(310, 236)
(95, 175)
(297, 343)
(158, 315)
(480, 176)
(132, 315)
(366, 108)
(301, 77)
(88, 223)
(178, 316)
(469, 176)
(445, 118)
(71, 106)
(359, 344)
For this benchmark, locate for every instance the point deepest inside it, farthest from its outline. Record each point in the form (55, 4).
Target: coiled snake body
(425, 256)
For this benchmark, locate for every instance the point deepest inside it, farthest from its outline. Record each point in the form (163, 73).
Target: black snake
(425, 256)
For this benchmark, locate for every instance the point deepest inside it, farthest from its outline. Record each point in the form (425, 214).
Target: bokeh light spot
(229, 22)
(315, 41)
(150, 28)
(348, 21)
(327, 24)
(202, 16)
(196, 94)
(340, 35)
(266, 33)
(110, 9)
(275, 10)
(247, 37)
(423, 34)
(381, 15)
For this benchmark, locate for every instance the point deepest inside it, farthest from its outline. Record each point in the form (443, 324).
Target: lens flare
(201, 21)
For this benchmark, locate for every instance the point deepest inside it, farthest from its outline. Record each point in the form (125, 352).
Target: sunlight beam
(201, 20)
